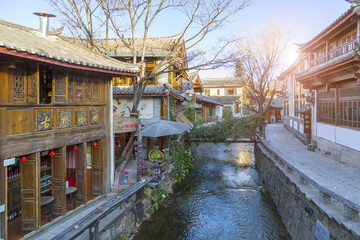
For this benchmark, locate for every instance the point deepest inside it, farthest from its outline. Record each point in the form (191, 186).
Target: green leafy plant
(183, 159)
(155, 155)
(158, 196)
(234, 128)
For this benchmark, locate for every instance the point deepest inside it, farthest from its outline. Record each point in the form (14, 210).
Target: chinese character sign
(65, 119)
(44, 120)
(307, 120)
(95, 117)
(81, 118)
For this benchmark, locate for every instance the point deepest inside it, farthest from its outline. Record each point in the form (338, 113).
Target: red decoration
(75, 149)
(23, 160)
(95, 144)
(52, 155)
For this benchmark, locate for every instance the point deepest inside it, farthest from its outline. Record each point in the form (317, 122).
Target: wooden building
(228, 92)
(55, 125)
(207, 109)
(326, 80)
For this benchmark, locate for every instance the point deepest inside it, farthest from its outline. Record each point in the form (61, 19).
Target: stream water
(221, 199)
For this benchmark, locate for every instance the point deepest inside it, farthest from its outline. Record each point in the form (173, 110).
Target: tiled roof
(27, 42)
(223, 82)
(160, 46)
(190, 84)
(157, 90)
(206, 99)
(277, 103)
(225, 99)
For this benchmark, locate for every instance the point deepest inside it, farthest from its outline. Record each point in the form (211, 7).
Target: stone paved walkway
(339, 178)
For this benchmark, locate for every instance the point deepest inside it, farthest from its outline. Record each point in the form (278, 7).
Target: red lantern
(23, 160)
(95, 144)
(52, 155)
(75, 149)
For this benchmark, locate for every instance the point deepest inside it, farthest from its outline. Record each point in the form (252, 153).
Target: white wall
(344, 136)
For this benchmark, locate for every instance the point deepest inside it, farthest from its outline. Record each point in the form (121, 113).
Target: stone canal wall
(302, 206)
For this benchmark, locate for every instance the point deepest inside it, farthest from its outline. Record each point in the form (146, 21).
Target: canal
(221, 199)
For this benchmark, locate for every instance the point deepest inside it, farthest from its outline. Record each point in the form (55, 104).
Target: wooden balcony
(335, 53)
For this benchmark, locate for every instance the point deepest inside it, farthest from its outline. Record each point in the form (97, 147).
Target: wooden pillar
(30, 192)
(59, 181)
(81, 179)
(3, 219)
(337, 106)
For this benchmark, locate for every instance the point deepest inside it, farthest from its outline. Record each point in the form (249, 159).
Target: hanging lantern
(95, 144)
(52, 155)
(75, 149)
(23, 160)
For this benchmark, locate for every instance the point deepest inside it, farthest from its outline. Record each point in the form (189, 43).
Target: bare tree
(136, 18)
(260, 58)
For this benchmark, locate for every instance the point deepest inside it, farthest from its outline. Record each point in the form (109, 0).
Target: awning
(183, 119)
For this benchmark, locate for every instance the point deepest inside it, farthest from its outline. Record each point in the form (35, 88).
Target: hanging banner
(124, 124)
(307, 119)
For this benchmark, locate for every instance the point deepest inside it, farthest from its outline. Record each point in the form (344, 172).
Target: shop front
(55, 128)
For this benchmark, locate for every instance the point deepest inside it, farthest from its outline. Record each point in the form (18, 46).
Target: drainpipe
(112, 148)
(44, 22)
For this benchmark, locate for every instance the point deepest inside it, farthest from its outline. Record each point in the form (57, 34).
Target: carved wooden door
(30, 192)
(97, 168)
(81, 194)
(58, 181)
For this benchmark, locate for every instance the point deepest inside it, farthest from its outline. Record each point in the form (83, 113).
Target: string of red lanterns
(52, 155)
(23, 160)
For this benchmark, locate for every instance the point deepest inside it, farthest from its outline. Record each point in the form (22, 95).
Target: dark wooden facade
(48, 107)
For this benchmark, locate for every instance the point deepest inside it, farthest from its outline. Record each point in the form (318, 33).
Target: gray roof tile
(29, 40)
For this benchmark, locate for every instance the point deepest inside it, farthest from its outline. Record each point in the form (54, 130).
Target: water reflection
(220, 200)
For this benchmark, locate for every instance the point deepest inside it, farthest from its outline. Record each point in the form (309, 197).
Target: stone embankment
(317, 197)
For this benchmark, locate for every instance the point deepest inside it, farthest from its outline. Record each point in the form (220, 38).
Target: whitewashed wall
(344, 136)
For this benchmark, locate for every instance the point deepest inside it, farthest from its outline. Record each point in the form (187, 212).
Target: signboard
(81, 118)
(8, 162)
(124, 124)
(65, 119)
(321, 232)
(44, 120)
(124, 179)
(139, 157)
(307, 119)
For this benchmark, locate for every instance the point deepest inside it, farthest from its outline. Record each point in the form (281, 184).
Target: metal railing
(91, 221)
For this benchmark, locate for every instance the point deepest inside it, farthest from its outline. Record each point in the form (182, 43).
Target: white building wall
(343, 136)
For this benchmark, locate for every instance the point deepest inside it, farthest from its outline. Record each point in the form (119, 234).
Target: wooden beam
(11, 65)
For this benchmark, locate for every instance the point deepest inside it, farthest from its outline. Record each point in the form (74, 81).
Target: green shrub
(228, 128)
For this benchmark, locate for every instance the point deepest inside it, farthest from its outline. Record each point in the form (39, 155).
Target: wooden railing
(334, 53)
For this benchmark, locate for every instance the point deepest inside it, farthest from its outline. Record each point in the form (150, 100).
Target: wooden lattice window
(32, 89)
(95, 92)
(87, 91)
(60, 87)
(327, 112)
(350, 113)
(78, 89)
(71, 89)
(19, 86)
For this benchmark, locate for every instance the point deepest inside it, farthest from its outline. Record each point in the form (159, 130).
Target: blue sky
(304, 19)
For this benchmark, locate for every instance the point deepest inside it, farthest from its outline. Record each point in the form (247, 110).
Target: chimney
(44, 22)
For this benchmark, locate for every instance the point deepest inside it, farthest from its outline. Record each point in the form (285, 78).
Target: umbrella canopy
(164, 128)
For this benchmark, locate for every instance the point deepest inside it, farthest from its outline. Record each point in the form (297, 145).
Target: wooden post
(81, 179)
(140, 205)
(2, 199)
(30, 192)
(58, 181)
